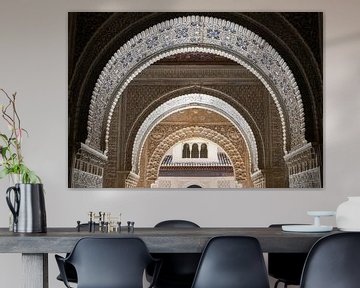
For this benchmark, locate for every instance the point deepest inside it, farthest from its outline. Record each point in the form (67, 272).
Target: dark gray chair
(108, 263)
(176, 224)
(232, 262)
(178, 269)
(69, 269)
(333, 262)
(286, 267)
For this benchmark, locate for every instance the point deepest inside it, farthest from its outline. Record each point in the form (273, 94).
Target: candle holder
(315, 227)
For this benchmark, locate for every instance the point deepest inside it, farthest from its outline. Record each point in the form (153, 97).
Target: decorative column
(303, 166)
(258, 179)
(88, 168)
(132, 180)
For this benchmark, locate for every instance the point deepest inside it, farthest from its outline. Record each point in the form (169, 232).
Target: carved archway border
(183, 35)
(152, 169)
(188, 101)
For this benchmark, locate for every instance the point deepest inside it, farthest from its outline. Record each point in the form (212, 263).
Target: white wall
(33, 62)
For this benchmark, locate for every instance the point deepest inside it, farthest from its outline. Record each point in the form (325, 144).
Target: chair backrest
(110, 262)
(178, 269)
(232, 262)
(176, 224)
(286, 266)
(333, 262)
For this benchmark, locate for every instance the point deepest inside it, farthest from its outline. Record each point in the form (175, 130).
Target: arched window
(203, 151)
(195, 151)
(186, 151)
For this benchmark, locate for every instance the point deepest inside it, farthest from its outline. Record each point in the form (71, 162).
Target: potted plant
(12, 161)
(26, 197)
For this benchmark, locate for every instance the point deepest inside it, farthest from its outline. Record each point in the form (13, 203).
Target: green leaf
(3, 151)
(33, 178)
(26, 132)
(4, 173)
(27, 175)
(4, 137)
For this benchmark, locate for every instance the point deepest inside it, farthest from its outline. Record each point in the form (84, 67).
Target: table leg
(35, 270)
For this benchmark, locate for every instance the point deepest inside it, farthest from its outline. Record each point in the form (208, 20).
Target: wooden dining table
(35, 247)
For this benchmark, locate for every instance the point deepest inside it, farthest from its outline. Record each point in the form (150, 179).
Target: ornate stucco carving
(303, 167)
(162, 131)
(235, 157)
(189, 101)
(196, 34)
(211, 73)
(258, 179)
(82, 179)
(307, 179)
(88, 168)
(131, 180)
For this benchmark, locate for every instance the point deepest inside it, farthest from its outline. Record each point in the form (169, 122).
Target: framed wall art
(195, 100)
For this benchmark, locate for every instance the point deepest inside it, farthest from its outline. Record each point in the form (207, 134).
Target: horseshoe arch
(201, 34)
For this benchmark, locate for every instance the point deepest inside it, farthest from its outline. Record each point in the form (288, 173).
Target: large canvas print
(195, 100)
